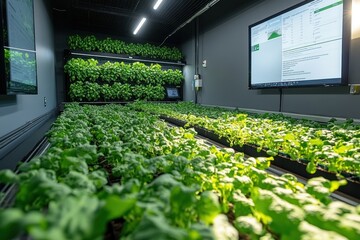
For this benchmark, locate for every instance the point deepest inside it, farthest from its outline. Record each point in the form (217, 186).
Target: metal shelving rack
(68, 54)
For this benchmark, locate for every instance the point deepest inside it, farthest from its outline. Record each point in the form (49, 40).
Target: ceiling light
(139, 26)
(157, 4)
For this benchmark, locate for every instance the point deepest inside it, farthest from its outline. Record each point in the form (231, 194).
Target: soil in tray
(117, 226)
(109, 235)
(108, 168)
(114, 228)
(230, 214)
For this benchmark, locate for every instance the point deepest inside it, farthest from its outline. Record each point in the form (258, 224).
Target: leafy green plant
(332, 146)
(87, 91)
(110, 72)
(86, 44)
(118, 81)
(82, 70)
(137, 73)
(107, 92)
(123, 91)
(165, 184)
(77, 91)
(117, 92)
(125, 73)
(108, 45)
(172, 77)
(74, 42)
(148, 92)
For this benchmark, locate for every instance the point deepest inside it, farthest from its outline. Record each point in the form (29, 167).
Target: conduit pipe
(201, 11)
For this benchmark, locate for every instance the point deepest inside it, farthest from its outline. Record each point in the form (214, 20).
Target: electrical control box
(198, 81)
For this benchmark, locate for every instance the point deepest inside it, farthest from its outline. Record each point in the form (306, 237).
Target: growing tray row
(109, 45)
(93, 92)
(115, 173)
(333, 146)
(90, 70)
(283, 161)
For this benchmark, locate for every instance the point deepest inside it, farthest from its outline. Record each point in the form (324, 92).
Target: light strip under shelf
(139, 25)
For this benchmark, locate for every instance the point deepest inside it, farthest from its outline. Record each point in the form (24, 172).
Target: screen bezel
(4, 80)
(346, 36)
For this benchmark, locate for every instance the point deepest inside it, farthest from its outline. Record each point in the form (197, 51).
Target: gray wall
(189, 70)
(17, 110)
(224, 44)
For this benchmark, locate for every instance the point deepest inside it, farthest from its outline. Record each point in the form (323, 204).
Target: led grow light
(157, 4)
(139, 25)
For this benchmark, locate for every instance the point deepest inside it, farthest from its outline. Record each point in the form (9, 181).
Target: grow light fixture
(157, 4)
(139, 25)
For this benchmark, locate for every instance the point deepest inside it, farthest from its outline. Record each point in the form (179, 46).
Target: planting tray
(281, 161)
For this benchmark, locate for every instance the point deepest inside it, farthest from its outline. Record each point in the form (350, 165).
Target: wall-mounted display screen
(19, 53)
(172, 92)
(305, 45)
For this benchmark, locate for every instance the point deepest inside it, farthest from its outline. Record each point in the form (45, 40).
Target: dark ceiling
(120, 17)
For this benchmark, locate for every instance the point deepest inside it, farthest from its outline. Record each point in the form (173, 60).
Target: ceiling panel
(120, 17)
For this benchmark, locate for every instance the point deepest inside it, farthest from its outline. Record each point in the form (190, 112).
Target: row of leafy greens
(89, 70)
(332, 146)
(111, 81)
(108, 45)
(92, 92)
(113, 164)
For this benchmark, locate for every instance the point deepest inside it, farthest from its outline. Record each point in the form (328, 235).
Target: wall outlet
(45, 101)
(204, 63)
(354, 89)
